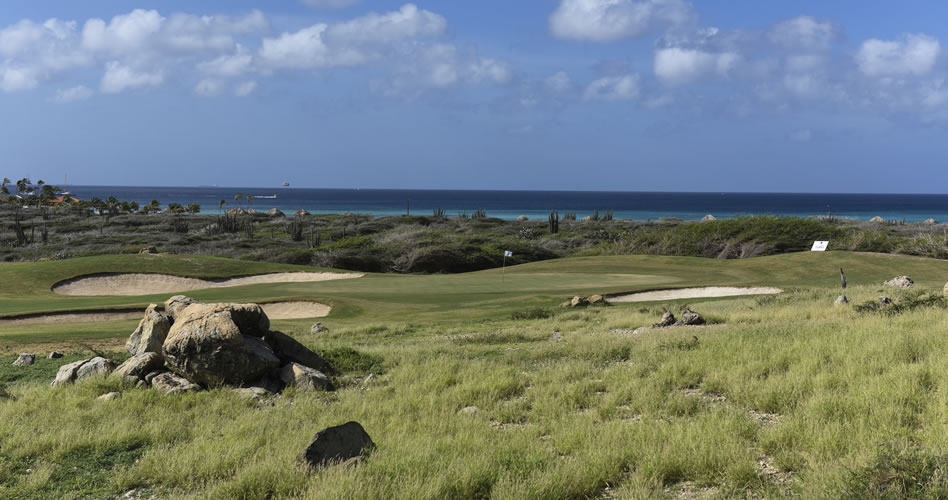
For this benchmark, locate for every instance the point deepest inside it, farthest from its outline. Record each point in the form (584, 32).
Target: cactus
(554, 222)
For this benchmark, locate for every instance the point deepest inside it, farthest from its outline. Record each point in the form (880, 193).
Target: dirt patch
(132, 284)
(274, 310)
(693, 293)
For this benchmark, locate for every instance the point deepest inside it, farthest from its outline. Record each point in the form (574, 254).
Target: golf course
(480, 384)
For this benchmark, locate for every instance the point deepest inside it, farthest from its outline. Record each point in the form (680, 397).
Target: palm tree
(21, 185)
(154, 206)
(133, 206)
(237, 198)
(249, 201)
(220, 206)
(194, 208)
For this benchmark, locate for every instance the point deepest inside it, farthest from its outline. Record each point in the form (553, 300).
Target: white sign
(508, 253)
(819, 246)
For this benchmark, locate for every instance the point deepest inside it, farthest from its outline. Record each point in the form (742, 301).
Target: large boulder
(900, 282)
(689, 318)
(305, 378)
(288, 350)
(668, 319)
(150, 334)
(214, 344)
(140, 365)
(25, 359)
(178, 303)
(337, 444)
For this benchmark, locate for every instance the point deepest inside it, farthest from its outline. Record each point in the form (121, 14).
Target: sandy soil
(693, 293)
(275, 310)
(147, 284)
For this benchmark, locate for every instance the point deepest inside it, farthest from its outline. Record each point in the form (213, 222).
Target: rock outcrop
(689, 318)
(337, 444)
(304, 378)
(138, 366)
(169, 383)
(150, 334)
(176, 304)
(79, 370)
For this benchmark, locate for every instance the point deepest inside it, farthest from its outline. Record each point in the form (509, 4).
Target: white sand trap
(132, 284)
(274, 310)
(693, 293)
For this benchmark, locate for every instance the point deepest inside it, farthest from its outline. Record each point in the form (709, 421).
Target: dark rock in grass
(268, 384)
(841, 300)
(337, 444)
(150, 334)
(178, 303)
(900, 282)
(668, 319)
(288, 350)
(137, 367)
(25, 359)
(214, 344)
(54, 355)
(169, 383)
(885, 301)
(689, 318)
(305, 378)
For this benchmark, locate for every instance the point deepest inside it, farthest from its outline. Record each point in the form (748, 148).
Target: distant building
(62, 199)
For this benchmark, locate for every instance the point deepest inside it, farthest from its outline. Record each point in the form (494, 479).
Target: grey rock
(708, 218)
(900, 282)
(304, 378)
(95, 366)
(877, 220)
(67, 373)
(689, 318)
(54, 355)
(140, 365)
(109, 396)
(337, 444)
(578, 302)
(178, 303)
(24, 359)
(668, 319)
(841, 300)
(289, 350)
(268, 384)
(150, 333)
(151, 376)
(595, 299)
(214, 344)
(318, 328)
(469, 410)
(169, 383)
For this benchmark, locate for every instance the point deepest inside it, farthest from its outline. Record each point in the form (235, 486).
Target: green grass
(582, 413)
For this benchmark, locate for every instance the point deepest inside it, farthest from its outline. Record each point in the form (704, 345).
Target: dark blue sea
(538, 204)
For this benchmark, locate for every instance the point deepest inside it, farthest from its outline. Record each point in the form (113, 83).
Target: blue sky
(640, 95)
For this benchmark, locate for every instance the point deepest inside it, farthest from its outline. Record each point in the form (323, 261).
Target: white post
(503, 270)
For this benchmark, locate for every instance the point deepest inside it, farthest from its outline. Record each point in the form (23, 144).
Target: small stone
(885, 300)
(318, 328)
(668, 319)
(337, 444)
(556, 337)
(900, 282)
(568, 304)
(369, 379)
(170, 383)
(469, 410)
(54, 355)
(841, 300)
(109, 396)
(304, 377)
(25, 359)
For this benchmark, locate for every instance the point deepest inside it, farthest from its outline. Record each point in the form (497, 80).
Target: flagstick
(503, 270)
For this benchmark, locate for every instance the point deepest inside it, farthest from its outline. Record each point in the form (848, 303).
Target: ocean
(538, 204)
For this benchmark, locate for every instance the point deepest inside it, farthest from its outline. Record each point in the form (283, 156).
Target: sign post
(503, 270)
(819, 246)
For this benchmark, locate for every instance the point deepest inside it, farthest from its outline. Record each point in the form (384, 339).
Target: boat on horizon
(266, 197)
(286, 184)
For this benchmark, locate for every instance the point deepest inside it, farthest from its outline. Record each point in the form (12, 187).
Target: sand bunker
(274, 310)
(132, 284)
(693, 293)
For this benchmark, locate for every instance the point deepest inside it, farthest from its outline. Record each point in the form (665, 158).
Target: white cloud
(73, 94)
(911, 54)
(329, 4)
(244, 89)
(208, 88)
(803, 32)
(558, 82)
(119, 77)
(409, 22)
(677, 65)
(613, 88)
(306, 49)
(238, 63)
(438, 66)
(610, 20)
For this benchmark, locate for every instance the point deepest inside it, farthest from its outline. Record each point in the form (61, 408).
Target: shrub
(537, 313)
(900, 470)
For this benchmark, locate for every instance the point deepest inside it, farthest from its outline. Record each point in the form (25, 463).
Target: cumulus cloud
(73, 94)
(119, 77)
(208, 88)
(610, 20)
(911, 54)
(407, 22)
(676, 65)
(803, 32)
(613, 88)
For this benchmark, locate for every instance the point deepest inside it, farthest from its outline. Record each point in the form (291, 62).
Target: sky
(619, 95)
